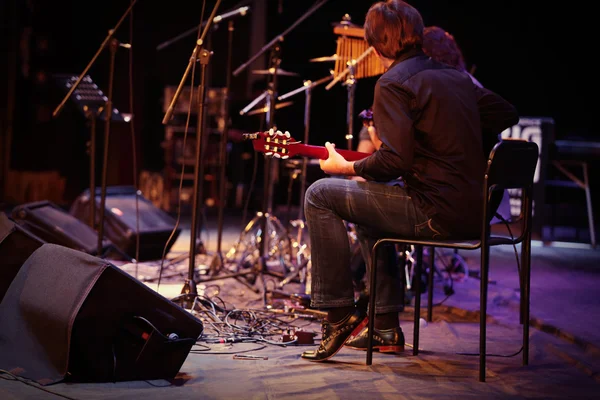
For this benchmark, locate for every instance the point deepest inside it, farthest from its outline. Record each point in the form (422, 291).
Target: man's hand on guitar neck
(335, 164)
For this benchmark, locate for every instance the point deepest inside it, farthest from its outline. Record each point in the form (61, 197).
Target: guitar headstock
(273, 143)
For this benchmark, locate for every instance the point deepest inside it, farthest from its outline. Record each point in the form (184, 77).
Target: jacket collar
(406, 54)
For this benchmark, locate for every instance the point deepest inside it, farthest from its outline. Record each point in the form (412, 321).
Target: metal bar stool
(511, 165)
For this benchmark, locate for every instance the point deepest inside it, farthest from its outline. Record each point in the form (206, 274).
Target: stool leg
(525, 301)
(418, 268)
(372, 288)
(526, 257)
(430, 284)
(588, 200)
(485, 258)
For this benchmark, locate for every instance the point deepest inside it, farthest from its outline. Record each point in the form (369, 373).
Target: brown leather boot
(384, 340)
(334, 335)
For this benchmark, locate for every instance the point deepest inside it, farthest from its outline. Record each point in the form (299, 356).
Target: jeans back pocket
(429, 230)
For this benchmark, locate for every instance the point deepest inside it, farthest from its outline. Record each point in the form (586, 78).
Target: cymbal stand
(266, 217)
(302, 261)
(350, 84)
(307, 89)
(351, 88)
(265, 220)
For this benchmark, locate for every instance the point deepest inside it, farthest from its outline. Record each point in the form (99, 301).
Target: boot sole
(354, 333)
(382, 349)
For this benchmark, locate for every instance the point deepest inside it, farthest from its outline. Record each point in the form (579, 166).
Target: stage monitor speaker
(16, 245)
(155, 225)
(69, 316)
(55, 225)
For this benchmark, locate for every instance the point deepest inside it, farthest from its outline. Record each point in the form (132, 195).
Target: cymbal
(334, 57)
(271, 71)
(264, 109)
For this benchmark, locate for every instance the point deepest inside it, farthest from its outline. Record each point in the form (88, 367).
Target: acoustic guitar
(281, 145)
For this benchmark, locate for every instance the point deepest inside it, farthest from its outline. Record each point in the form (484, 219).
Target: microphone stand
(189, 291)
(114, 44)
(91, 115)
(218, 260)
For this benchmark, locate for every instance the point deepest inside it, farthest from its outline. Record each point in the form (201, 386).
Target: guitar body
(282, 145)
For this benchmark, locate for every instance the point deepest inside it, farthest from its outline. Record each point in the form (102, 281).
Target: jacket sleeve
(392, 117)
(496, 115)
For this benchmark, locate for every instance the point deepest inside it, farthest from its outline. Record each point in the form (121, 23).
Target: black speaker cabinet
(120, 226)
(55, 225)
(16, 245)
(69, 316)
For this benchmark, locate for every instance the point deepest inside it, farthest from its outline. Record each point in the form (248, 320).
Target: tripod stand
(265, 227)
(265, 219)
(302, 260)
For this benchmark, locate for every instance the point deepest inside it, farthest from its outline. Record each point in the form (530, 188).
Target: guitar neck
(320, 152)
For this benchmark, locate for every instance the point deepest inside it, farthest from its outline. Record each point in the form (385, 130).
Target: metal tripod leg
(300, 253)
(246, 251)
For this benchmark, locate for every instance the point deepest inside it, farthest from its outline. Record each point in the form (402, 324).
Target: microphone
(241, 11)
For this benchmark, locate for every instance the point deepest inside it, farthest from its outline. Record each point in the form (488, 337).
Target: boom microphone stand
(189, 291)
(108, 108)
(235, 11)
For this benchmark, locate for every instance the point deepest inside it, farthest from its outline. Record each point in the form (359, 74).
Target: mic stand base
(188, 295)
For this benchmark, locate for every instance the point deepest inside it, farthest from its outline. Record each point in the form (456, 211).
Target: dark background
(536, 55)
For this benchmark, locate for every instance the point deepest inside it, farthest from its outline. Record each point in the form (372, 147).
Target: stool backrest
(511, 165)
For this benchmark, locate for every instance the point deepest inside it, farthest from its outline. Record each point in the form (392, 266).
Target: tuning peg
(271, 132)
(277, 155)
(287, 134)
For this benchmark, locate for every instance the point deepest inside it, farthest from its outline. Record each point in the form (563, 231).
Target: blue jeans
(377, 210)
